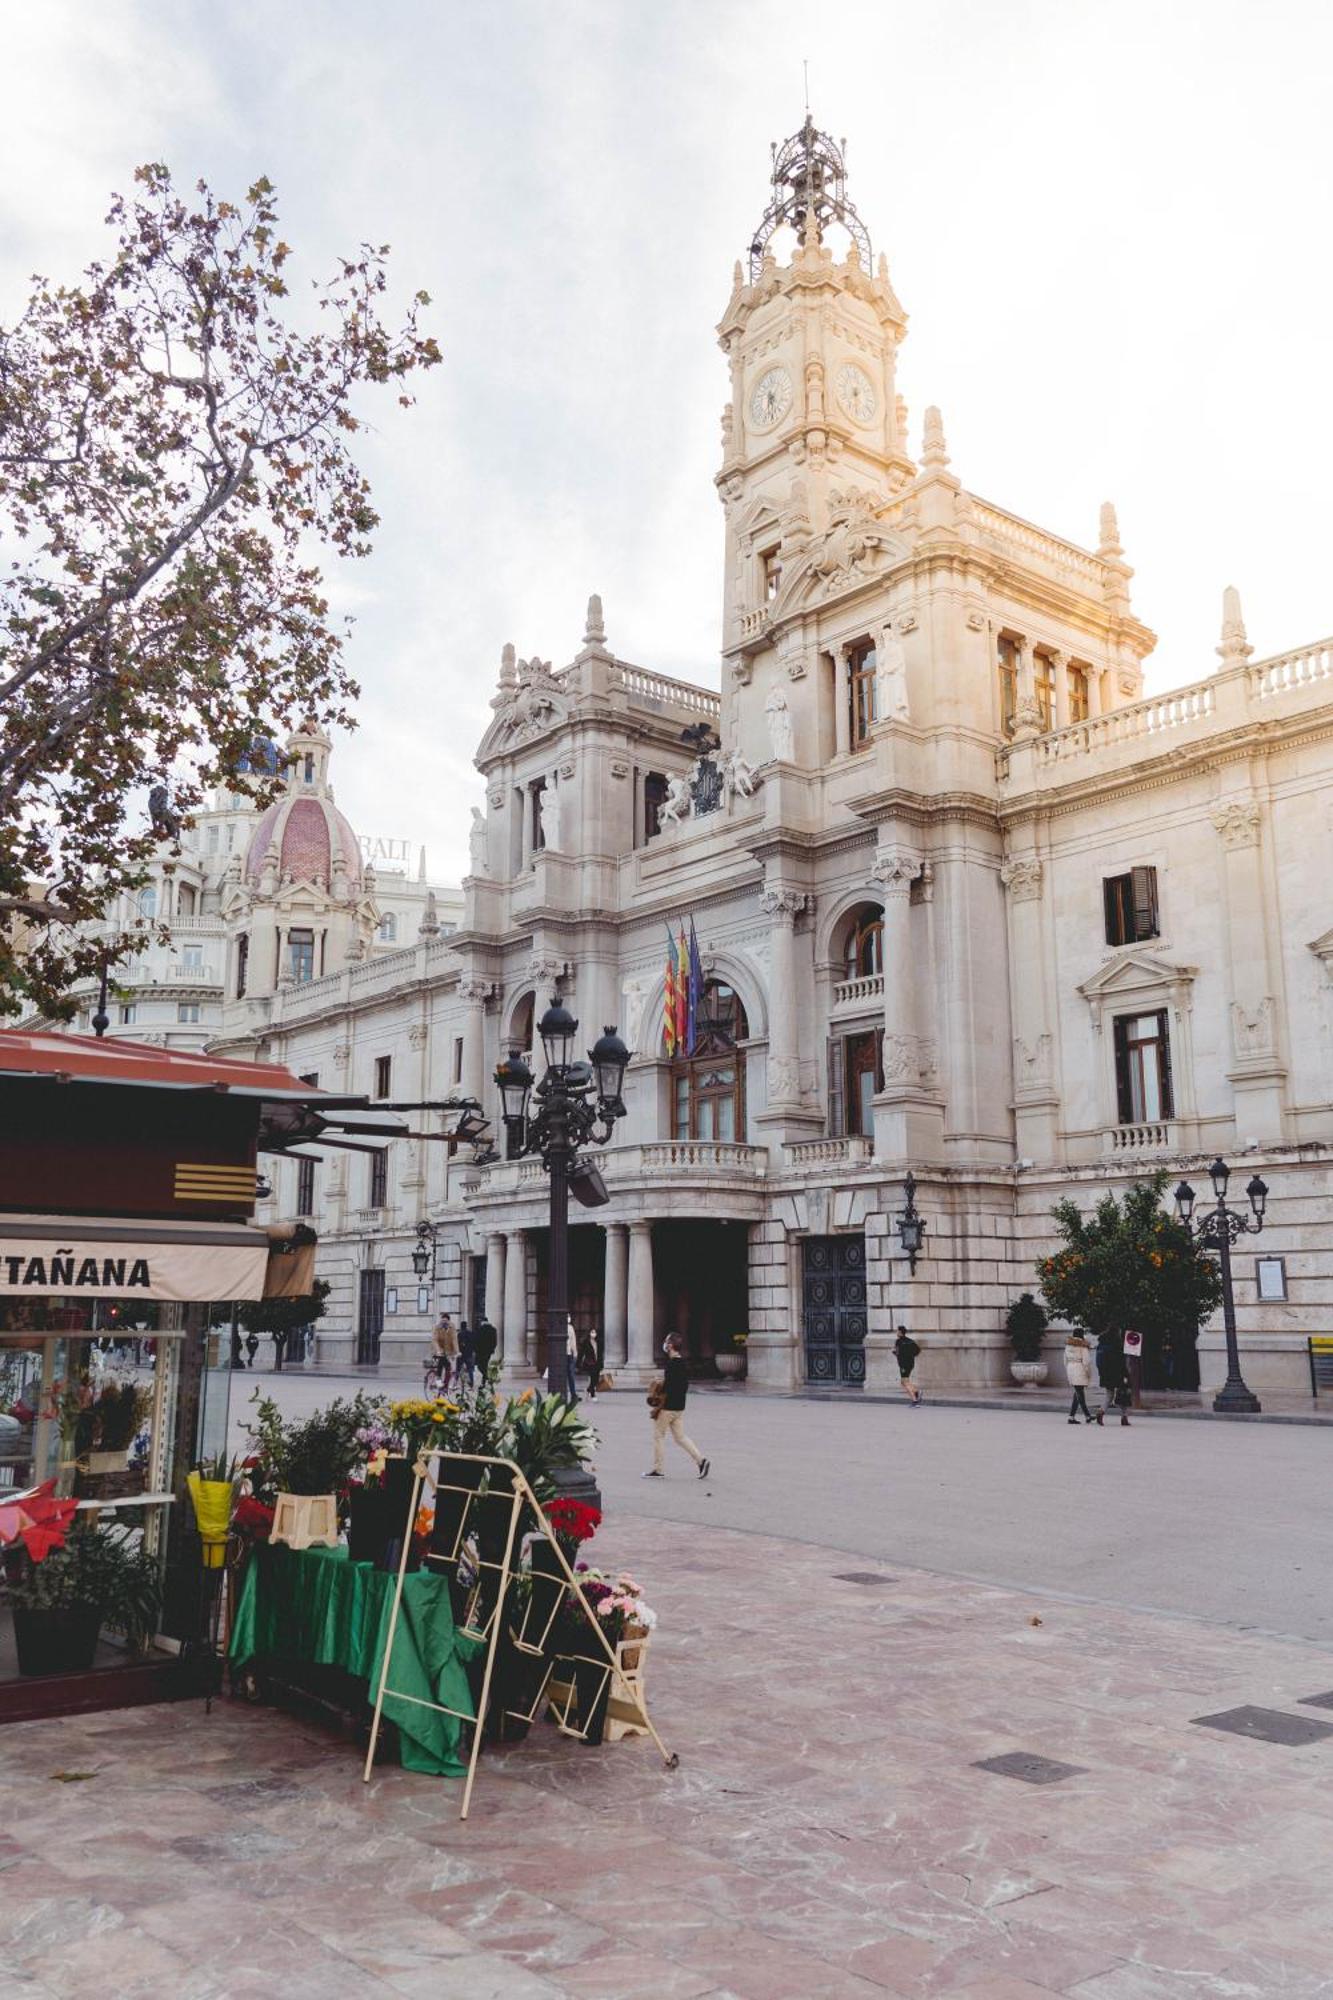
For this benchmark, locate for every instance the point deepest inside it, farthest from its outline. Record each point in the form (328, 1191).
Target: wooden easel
(485, 1619)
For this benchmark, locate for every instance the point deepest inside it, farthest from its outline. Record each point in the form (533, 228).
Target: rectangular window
(242, 964)
(383, 1072)
(1142, 1068)
(1043, 686)
(1007, 664)
(128, 1015)
(863, 1058)
(379, 1178)
(654, 798)
(305, 1187)
(1131, 906)
(1078, 694)
(537, 837)
(187, 1011)
(212, 837)
(301, 955)
(861, 665)
(192, 957)
(772, 562)
(458, 1059)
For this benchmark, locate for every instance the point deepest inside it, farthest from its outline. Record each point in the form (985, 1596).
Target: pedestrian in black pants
(1078, 1373)
(591, 1351)
(1113, 1378)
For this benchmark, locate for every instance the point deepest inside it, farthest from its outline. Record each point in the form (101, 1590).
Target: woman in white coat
(1078, 1368)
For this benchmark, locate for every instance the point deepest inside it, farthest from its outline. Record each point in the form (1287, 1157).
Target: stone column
(1257, 1073)
(1094, 691)
(1060, 668)
(516, 1300)
(908, 1111)
(615, 1300)
(1027, 716)
(641, 1299)
(1035, 1098)
(474, 994)
(782, 906)
(495, 1287)
(842, 710)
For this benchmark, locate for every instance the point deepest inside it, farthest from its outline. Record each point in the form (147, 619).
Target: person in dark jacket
(906, 1349)
(467, 1351)
(485, 1340)
(670, 1415)
(1113, 1377)
(591, 1351)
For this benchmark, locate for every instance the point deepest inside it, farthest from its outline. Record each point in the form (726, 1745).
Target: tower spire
(809, 192)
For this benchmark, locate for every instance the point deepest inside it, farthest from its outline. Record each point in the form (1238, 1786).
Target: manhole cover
(1317, 1700)
(867, 1576)
(1267, 1725)
(1032, 1769)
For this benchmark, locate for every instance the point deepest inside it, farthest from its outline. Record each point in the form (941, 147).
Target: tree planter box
(56, 1642)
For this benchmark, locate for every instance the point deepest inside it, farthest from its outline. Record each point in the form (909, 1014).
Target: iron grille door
(835, 1309)
(370, 1320)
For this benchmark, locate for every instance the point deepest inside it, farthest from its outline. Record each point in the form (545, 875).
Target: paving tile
(1267, 1725)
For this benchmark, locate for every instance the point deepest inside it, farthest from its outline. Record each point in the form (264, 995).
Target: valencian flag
(669, 1011)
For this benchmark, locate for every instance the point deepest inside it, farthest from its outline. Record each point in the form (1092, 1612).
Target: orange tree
(1129, 1263)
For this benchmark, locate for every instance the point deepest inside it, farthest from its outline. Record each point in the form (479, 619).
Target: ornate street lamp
(911, 1227)
(575, 1102)
(1218, 1230)
(423, 1258)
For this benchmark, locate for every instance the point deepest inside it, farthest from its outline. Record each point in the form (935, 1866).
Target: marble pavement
(828, 1832)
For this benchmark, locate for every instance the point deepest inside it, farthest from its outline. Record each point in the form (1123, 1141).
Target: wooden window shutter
(1123, 1090)
(1144, 882)
(1164, 1065)
(836, 1059)
(1111, 902)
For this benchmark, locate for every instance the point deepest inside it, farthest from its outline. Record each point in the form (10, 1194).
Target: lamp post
(423, 1259)
(1217, 1230)
(910, 1226)
(575, 1102)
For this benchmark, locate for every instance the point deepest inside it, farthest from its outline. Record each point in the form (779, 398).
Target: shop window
(1131, 906)
(708, 1088)
(863, 954)
(1007, 666)
(379, 1178)
(305, 1187)
(1142, 1068)
(301, 955)
(861, 666)
(383, 1074)
(1079, 702)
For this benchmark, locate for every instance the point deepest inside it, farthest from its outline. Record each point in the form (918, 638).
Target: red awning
(85, 1059)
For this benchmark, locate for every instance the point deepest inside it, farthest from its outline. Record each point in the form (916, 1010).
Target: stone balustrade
(860, 992)
(1009, 534)
(1307, 664)
(660, 691)
(1156, 1136)
(805, 1155)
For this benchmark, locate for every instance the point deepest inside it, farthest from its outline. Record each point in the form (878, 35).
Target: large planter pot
(56, 1642)
(1029, 1374)
(730, 1366)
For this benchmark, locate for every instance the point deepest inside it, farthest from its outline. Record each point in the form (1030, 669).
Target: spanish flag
(684, 1040)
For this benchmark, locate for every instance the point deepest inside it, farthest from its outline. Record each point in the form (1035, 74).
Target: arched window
(708, 1088)
(148, 902)
(863, 950)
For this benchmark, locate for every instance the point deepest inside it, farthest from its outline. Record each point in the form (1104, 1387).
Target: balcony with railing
(659, 691)
(1151, 1139)
(820, 1155)
(859, 995)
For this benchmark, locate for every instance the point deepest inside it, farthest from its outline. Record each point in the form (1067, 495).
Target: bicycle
(435, 1377)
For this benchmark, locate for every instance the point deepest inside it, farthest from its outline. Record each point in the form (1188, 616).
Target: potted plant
(729, 1361)
(104, 1434)
(99, 1576)
(1026, 1324)
(212, 1485)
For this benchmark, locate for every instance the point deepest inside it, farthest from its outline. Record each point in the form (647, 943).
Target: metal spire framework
(809, 173)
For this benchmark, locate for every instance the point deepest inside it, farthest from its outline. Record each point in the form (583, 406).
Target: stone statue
(779, 727)
(737, 775)
(633, 996)
(891, 677)
(677, 804)
(476, 840)
(550, 818)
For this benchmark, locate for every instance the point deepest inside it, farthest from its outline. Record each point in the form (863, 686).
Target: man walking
(671, 1414)
(485, 1342)
(467, 1351)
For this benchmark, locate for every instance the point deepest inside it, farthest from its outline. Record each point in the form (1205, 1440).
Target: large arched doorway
(708, 1087)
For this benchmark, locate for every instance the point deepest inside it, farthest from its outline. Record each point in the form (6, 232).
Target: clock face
(770, 399)
(856, 393)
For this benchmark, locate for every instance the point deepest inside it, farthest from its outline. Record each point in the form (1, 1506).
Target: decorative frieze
(895, 870)
(1238, 822)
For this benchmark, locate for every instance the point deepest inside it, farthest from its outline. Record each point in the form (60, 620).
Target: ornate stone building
(967, 902)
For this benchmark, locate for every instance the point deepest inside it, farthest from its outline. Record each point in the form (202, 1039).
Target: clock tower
(813, 434)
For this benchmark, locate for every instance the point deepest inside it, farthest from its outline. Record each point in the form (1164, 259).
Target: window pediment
(1133, 978)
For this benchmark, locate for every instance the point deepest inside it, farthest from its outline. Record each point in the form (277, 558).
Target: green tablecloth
(313, 1604)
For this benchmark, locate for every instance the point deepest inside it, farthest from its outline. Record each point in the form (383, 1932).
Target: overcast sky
(1108, 223)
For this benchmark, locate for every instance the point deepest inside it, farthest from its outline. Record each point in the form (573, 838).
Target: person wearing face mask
(667, 1402)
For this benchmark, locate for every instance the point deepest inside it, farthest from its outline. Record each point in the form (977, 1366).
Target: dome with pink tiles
(310, 838)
